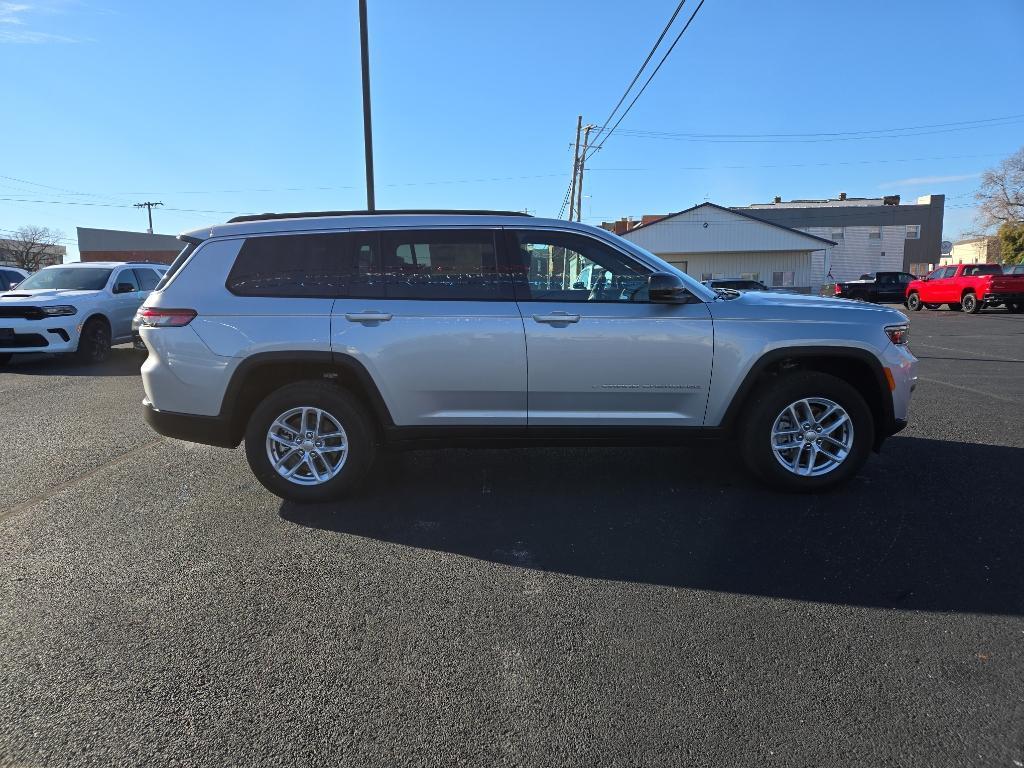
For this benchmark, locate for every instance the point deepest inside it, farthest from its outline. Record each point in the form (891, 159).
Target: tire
(770, 409)
(970, 304)
(309, 458)
(94, 342)
(954, 306)
(914, 302)
(5, 358)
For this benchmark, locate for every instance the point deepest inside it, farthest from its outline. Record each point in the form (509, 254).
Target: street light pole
(367, 129)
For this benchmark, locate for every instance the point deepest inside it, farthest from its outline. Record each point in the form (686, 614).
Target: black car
(876, 287)
(736, 284)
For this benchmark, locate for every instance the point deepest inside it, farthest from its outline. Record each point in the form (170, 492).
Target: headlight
(59, 310)
(898, 334)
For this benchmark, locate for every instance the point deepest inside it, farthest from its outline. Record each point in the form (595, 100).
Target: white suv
(317, 338)
(81, 308)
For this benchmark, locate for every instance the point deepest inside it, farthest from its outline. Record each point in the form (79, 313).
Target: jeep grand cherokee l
(318, 338)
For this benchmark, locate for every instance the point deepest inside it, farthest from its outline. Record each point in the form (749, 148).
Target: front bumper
(57, 334)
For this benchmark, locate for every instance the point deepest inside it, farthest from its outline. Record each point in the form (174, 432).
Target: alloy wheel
(307, 445)
(812, 437)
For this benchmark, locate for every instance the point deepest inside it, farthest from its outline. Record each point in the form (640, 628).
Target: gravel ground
(523, 607)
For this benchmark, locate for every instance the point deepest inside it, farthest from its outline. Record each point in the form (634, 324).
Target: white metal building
(709, 241)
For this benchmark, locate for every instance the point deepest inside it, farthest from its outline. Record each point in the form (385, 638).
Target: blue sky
(217, 108)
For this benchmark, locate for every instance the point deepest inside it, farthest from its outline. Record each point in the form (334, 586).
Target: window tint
(147, 278)
(289, 265)
(442, 264)
(556, 266)
(949, 272)
(126, 276)
(982, 269)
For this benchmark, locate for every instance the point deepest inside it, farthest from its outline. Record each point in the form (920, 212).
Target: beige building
(975, 250)
(710, 242)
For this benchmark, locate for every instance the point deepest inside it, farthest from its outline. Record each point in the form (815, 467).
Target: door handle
(556, 318)
(369, 316)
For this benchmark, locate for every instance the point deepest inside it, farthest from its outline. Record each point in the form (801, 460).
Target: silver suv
(318, 338)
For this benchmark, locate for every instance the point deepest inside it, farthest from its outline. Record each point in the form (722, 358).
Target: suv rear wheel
(309, 442)
(807, 431)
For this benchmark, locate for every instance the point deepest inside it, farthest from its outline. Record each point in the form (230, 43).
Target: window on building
(705, 276)
(750, 276)
(913, 231)
(783, 279)
(838, 235)
(874, 233)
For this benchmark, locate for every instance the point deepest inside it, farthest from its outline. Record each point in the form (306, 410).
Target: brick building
(118, 245)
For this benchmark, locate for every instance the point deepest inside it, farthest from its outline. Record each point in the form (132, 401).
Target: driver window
(936, 274)
(558, 266)
(127, 276)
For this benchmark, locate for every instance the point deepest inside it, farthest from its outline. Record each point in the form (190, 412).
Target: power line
(629, 133)
(597, 147)
(972, 123)
(639, 72)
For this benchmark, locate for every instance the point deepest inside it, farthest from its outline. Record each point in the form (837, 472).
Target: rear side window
(442, 264)
(976, 270)
(289, 265)
(147, 278)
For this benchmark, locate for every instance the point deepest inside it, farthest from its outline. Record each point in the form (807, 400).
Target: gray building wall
(927, 249)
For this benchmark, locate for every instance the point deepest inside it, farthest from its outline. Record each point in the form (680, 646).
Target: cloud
(9, 12)
(920, 181)
(14, 29)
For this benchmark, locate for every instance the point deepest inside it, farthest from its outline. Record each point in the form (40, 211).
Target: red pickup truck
(969, 287)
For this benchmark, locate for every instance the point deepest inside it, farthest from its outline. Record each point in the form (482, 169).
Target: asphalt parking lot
(527, 607)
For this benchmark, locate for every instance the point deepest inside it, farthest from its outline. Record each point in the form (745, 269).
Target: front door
(127, 298)
(599, 353)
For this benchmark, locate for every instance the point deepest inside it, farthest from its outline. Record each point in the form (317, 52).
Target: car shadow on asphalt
(123, 361)
(929, 524)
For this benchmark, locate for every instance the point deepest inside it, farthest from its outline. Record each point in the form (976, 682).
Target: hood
(42, 296)
(767, 305)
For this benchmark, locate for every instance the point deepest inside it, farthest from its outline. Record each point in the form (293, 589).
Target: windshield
(67, 278)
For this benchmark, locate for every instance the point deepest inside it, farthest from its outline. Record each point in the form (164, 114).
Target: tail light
(839, 289)
(898, 334)
(158, 317)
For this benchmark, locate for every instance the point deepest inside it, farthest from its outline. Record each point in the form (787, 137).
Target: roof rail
(315, 214)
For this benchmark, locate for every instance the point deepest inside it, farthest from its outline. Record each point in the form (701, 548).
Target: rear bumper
(209, 430)
(1000, 298)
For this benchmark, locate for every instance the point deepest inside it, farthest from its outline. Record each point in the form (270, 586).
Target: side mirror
(666, 288)
(124, 288)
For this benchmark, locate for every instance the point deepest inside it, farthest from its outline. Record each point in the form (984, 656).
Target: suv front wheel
(309, 442)
(807, 431)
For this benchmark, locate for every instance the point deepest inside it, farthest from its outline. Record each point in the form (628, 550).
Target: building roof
(742, 213)
(121, 240)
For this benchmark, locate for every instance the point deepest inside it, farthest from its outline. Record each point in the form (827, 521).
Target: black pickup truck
(876, 287)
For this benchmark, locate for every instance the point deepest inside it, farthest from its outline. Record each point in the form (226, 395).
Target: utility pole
(367, 129)
(149, 209)
(583, 162)
(575, 164)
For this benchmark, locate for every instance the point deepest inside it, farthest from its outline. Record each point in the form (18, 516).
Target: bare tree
(30, 247)
(1001, 195)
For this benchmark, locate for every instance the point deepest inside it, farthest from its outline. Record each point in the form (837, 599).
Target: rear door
(600, 354)
(431, 315)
